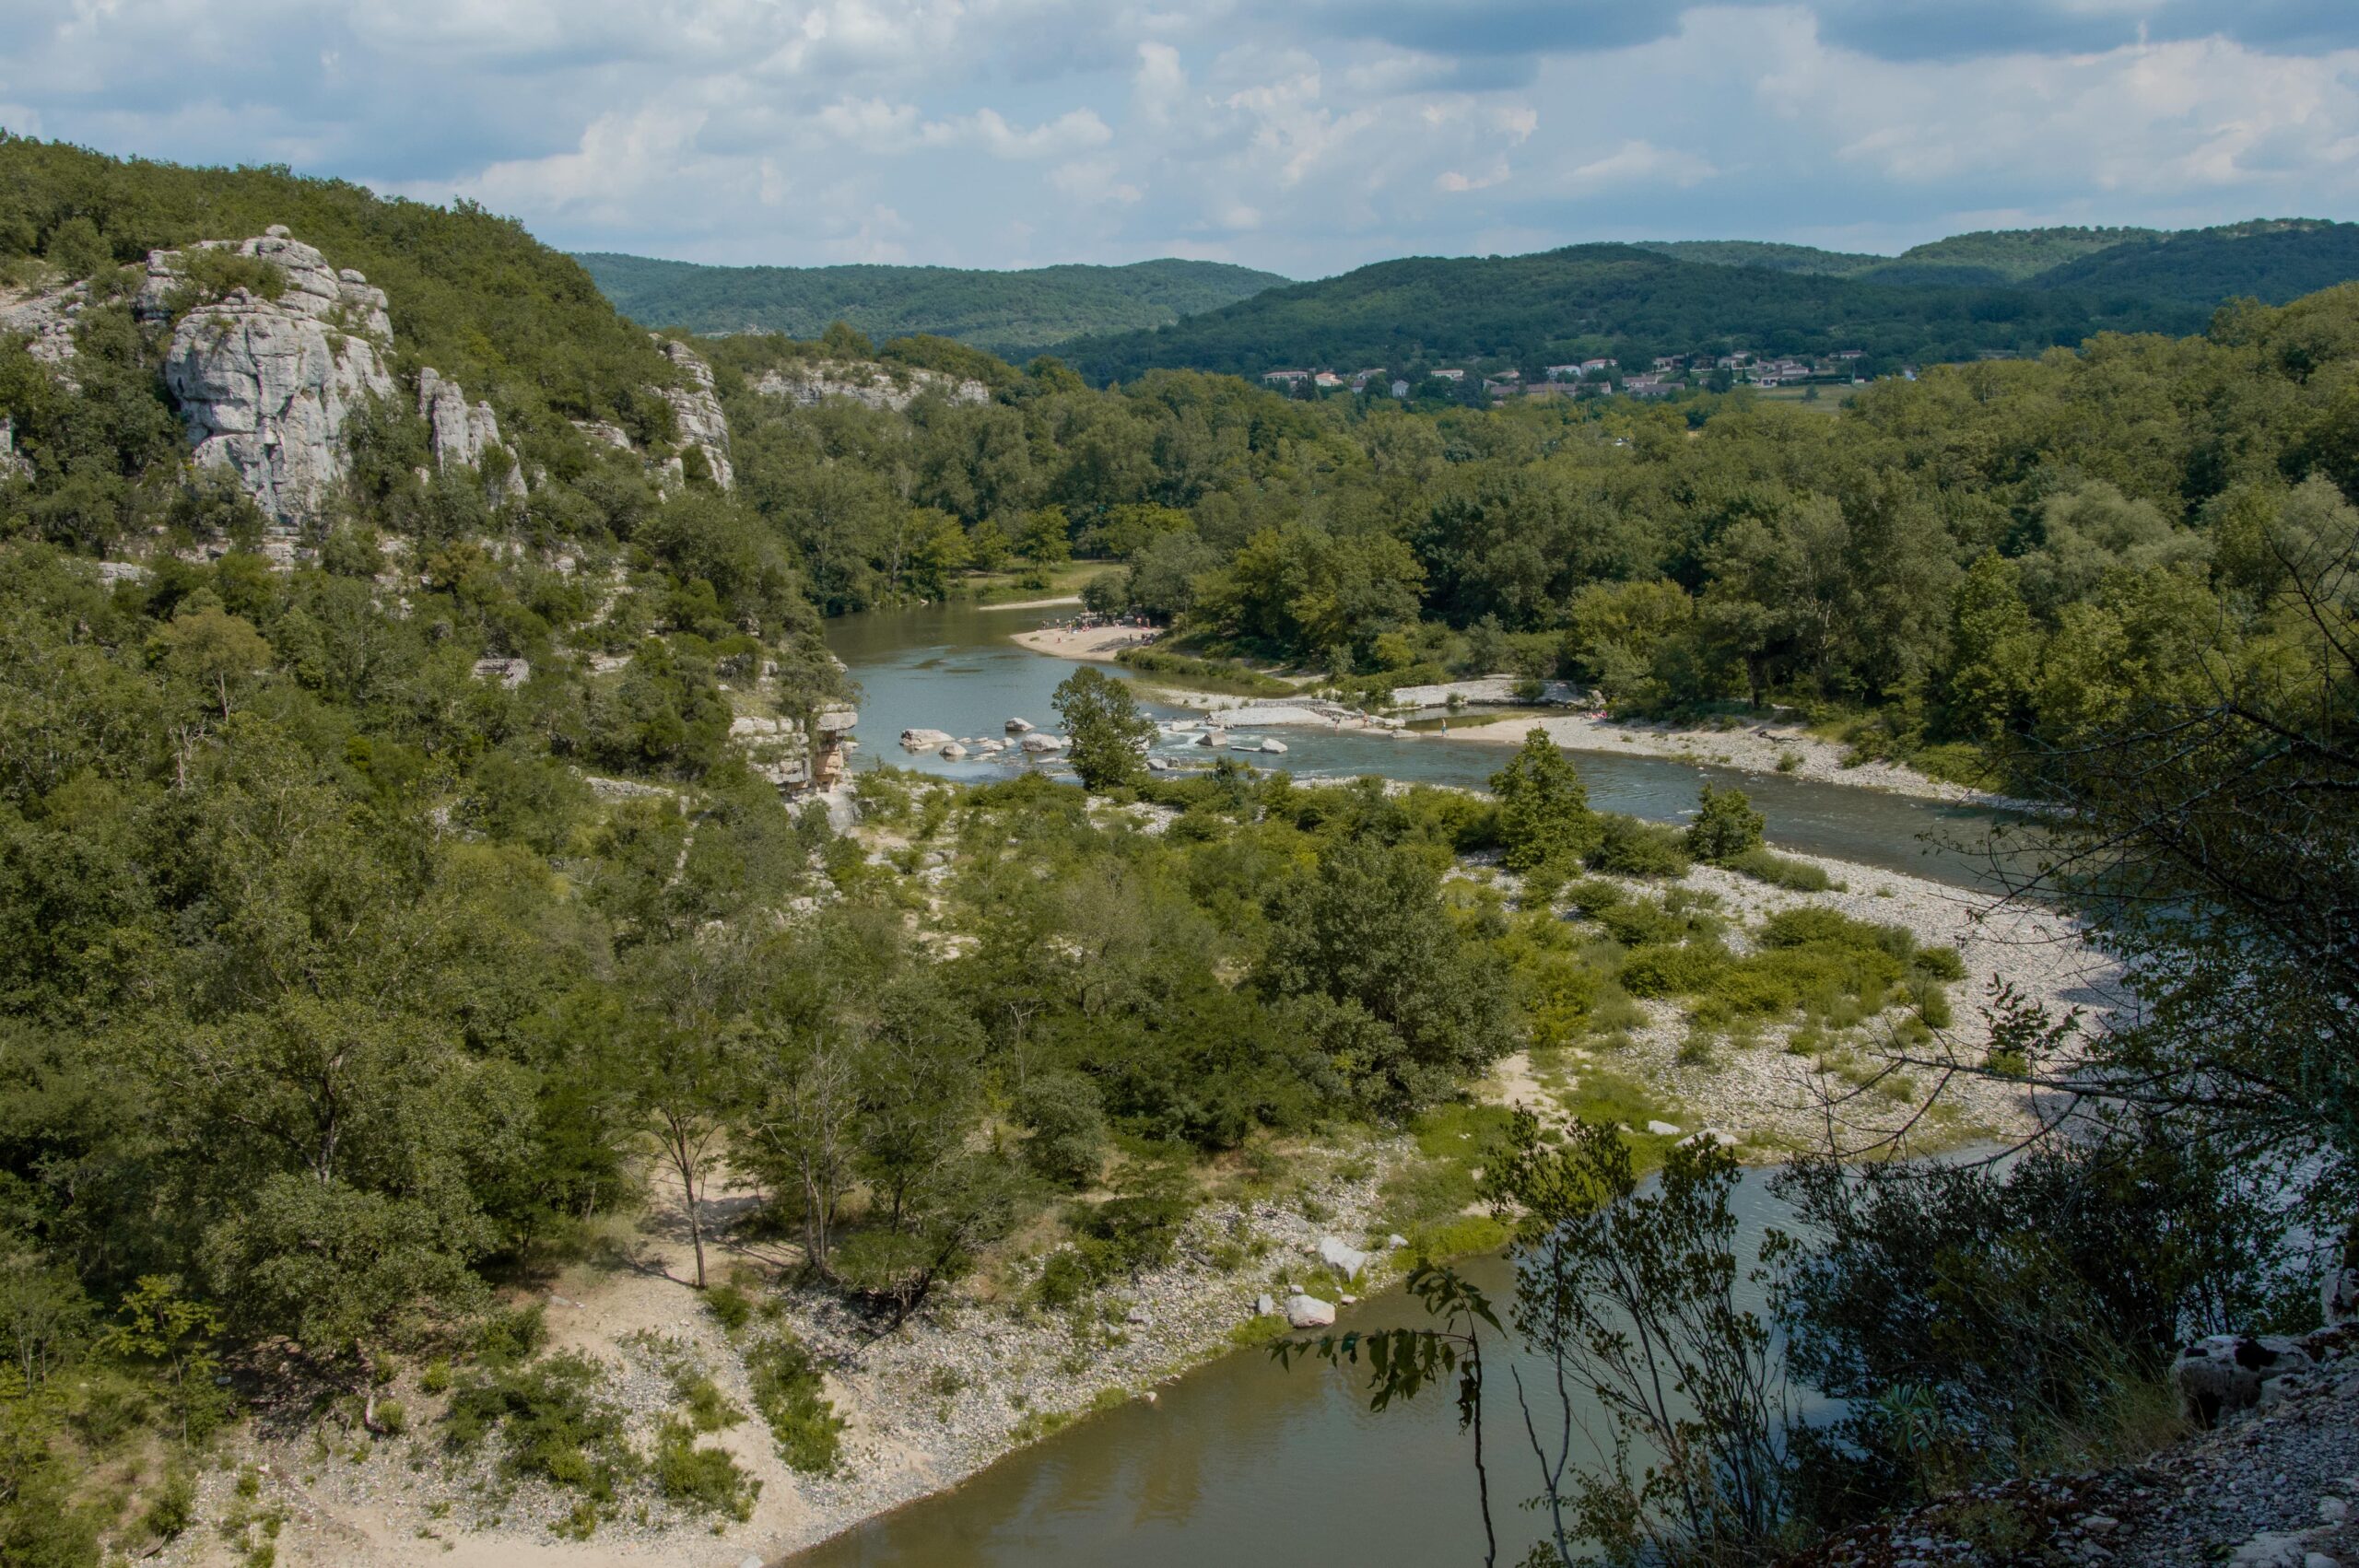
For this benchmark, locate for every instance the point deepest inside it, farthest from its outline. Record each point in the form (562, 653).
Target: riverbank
(926, 1407)
(1777, 1092)
(1786, 748)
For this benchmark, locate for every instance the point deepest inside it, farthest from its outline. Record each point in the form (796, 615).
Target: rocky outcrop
(696, 411)
(266, 385)
(11, 462)
(462, 433)
(797, 756)
(46, 321)
(872, 384)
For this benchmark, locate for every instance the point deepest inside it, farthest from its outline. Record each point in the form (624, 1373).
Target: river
(1238, 1462)
(953, 667)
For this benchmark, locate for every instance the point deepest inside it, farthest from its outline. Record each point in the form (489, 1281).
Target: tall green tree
(1108, 734)
(1544, 806)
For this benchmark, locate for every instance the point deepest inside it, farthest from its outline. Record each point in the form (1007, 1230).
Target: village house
(1446, 375)
(1285, 378)
(1326, 380)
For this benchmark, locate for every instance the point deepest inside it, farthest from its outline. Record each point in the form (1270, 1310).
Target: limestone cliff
(461, 433)
(266, 385)
(696, 410)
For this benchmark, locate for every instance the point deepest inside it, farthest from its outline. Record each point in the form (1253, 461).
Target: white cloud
(1639, 161)
(1308, 138)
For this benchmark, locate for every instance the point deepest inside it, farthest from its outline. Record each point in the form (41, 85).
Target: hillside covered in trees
(1954, 300)
(1014, 314)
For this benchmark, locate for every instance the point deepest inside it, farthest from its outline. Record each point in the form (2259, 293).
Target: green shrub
(1664, 970)
(510, 1336)
(1939, 963)
(1207, 674)
(1641, 922)
(1726, 825)
(553, 1424)
(729, 1305)
(1778, 870)
(791, 1396)
(705, 1480)
(1627, 846)
(707, 1409)
(392, 1417)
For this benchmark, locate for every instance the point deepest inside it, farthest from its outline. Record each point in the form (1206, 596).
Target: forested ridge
(350, 987)
(1016, 313)
(1997, 293)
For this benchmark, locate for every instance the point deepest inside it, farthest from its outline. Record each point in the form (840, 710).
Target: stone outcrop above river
(696, 410)
(266, 385)
(875, 385)
(462, 433)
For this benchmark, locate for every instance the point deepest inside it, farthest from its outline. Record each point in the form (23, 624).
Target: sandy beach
(1096, 644)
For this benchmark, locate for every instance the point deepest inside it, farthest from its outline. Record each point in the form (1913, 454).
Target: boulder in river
(1273, 745)
(1309, 1312)
(1212, 738)
(954, 751)
(1019, 726)
(1039, 745)
(926, 740)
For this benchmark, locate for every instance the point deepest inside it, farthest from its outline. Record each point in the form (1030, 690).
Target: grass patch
(1204, 674)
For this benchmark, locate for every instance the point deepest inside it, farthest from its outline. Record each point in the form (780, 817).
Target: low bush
(731, 1306)
(554, 1425)
(1627, 846)
(705, 1480)
(790, 1394)
(1778, 870)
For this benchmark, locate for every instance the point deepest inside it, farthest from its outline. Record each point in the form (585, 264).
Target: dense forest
(348, 989)
(1962, 299)
(1014, 314)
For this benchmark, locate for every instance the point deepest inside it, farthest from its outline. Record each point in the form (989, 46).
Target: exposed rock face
(267, 384)
(697, 411)
(10, 462)
(872, 384)
(795, 756)
(47, 321)
(463, 434)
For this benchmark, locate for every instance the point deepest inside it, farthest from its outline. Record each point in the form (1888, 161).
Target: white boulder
(926, 740)
(1019, 726)
(1309, 1312)
(1663, 1129)
(1348, 1261)
(954, 751)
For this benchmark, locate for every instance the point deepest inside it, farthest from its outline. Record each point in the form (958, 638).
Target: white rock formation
(460, 433)
(696, 410)
(815, 381)
(47, 321)
(927, 740)
(266, 385)
(11, 460)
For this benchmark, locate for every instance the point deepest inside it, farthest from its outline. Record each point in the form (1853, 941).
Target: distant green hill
(2274, 261)
(1010, 314)
(1766, 254)
(1973, 294)
(1616, 300)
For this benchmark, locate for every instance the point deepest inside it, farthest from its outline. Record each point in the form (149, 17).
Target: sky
(1304, 137)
